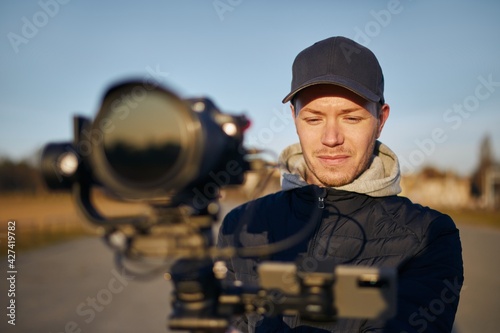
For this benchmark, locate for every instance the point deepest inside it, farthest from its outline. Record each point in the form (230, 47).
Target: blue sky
(441, 61)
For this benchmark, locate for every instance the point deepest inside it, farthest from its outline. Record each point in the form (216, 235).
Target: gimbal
(146, 144)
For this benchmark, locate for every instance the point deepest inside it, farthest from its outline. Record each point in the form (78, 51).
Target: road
(74, 287)
(480, 297)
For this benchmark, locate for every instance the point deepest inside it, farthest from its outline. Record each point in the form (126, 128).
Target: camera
(148, 145)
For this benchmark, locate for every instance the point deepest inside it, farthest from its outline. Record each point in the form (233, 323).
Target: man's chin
(329, 177)
(337, 181)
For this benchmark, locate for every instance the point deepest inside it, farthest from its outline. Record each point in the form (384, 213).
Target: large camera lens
(144, 147)
(147, 141)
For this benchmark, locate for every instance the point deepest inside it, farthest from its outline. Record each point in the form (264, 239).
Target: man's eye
(312, 121)
(353, 119)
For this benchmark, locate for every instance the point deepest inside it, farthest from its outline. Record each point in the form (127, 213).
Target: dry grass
(46, 219)
(475, 217)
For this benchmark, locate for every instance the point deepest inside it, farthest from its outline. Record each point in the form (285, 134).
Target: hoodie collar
(380, 179)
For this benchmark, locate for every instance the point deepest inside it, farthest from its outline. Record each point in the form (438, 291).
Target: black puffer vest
(342, 227)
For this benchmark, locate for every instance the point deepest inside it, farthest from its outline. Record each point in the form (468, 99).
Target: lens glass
(143, 134)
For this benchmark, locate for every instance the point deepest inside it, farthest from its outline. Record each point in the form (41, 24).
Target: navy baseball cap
(339, 61)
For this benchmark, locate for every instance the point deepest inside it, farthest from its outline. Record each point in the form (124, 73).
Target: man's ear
(292, 108)
(382, 118)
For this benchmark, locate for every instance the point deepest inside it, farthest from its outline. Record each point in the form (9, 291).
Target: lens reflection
(146, 136)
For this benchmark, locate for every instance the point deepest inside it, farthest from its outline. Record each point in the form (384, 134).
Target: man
(342, 179)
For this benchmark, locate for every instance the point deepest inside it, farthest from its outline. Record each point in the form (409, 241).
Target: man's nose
(332, 134)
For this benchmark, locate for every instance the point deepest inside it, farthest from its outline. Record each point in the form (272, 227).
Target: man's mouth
(333, 159)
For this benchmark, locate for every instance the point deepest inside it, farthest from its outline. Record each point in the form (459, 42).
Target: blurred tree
(19, 177)
(485, 162)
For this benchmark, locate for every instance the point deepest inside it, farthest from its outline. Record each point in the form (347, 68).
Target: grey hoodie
(379, 180)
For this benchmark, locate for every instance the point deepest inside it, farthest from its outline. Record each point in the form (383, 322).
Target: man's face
(337, 131)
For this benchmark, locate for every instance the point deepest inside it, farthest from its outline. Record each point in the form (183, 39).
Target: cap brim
(354, 86)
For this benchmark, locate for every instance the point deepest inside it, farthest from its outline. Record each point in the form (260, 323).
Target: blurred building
(438, 189)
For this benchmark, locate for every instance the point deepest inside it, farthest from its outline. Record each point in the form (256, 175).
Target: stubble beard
(335, 176)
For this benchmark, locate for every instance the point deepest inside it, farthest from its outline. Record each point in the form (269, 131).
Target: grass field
(47, 219)
(475, 217)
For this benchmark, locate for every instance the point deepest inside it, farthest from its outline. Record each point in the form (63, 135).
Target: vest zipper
(322, 194)
(321, 202)
(321, 205)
